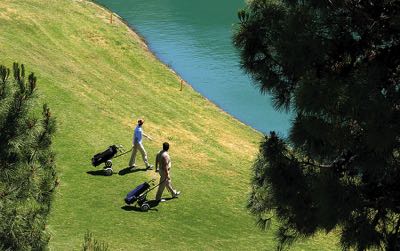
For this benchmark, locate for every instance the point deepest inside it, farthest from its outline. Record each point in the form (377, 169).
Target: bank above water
(194, 38)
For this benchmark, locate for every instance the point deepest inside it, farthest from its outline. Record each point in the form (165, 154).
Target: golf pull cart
(106, 156)
(139, 195)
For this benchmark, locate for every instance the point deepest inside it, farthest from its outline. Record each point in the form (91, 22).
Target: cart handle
(156, 185)
(123, 153)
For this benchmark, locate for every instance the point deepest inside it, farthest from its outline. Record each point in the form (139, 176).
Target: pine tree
(334, 64)
(27, 163)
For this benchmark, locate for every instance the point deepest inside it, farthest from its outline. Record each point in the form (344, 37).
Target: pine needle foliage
(335, 65)
(27, 163)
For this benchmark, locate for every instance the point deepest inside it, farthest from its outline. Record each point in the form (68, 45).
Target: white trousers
(164, 183)
(135, 148)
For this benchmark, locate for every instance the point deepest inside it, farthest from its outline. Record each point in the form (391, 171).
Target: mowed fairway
(99, 78)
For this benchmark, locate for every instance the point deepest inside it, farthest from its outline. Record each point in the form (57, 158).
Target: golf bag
(104, 156)
(139, 194)
(134, 195)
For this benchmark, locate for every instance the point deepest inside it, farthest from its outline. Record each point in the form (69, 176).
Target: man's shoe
(149, 167)
(176, 194)
(132, 167)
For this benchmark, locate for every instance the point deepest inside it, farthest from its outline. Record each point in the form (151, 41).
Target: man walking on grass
(137, 145)
(163, 165)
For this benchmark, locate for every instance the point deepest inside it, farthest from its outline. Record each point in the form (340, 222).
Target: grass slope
(98, 78)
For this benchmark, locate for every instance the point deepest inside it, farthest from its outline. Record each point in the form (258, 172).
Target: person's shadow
(128, 170)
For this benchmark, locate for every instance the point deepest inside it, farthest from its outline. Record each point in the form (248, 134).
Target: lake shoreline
(146, 46)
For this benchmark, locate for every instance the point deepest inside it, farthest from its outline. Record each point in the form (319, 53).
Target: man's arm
(157, 160)
(147, 136)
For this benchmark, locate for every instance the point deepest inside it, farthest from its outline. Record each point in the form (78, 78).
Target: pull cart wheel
(108, 171)
(107, 168)
(145, 207)
(108, 163)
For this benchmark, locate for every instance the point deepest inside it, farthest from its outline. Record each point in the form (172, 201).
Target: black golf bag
(104, 156)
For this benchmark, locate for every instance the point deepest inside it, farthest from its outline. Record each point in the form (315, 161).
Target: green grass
(98, 79)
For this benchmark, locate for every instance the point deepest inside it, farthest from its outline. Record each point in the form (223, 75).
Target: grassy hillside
(98, 79)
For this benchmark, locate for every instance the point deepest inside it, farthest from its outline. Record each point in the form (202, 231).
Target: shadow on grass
(97, 173)
(131, 170)
(152, 204)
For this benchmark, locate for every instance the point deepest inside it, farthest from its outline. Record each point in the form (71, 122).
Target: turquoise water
(194, 39)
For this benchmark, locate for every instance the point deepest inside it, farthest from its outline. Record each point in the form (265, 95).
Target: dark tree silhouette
(335, 65)
(27, 167)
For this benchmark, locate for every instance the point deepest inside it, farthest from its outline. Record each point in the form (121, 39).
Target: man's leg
(161, 188)
(170, 189)
(133, 156)
(174, 193)
(144, 154)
